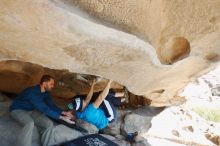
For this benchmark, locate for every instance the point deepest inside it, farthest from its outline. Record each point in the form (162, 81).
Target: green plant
(208, 113)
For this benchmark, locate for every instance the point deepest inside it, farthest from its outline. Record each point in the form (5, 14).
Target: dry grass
(208, 113)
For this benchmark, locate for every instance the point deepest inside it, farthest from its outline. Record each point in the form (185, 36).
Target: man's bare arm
(102, 95)
(89, 95)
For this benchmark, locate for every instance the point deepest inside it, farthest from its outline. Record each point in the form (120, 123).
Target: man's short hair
(46, 78)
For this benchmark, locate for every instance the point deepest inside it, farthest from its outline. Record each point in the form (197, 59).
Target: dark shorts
(109, 104)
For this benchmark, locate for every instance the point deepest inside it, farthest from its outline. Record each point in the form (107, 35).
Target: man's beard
(47, 88)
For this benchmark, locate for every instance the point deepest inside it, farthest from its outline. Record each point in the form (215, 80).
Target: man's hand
(67, 119)
(68, 114)
(109, 82)
(92, 82)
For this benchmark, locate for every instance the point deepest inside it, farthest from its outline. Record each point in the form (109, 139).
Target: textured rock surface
(159, 20)
(139, 123)
(15, 76)
(56, 34)
(175, 49)
(90, 128)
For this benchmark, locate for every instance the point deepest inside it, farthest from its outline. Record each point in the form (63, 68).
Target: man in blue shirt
(99, 112)
(31, 109)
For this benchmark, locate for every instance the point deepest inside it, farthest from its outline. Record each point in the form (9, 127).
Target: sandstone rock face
(139, 123)
(87, 37)
(175, 49)
(15, 76)
(159, 20)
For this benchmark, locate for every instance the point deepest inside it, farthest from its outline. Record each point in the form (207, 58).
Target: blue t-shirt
(95, 116)
(32, 98)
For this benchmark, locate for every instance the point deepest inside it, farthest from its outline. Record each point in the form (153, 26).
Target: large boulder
(87, 126)
(136, 123)
(15, 76)
(119, 40)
